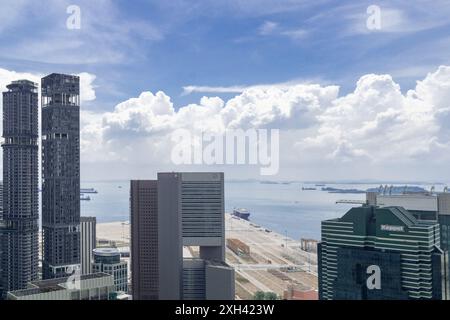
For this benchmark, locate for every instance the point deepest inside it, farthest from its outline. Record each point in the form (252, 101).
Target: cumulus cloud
(375, 124)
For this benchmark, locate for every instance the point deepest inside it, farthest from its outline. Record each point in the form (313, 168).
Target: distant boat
(120, 187)
(336, 190)
(269, 182)
(308, 189)
(88, 190)
(241, 213)
(85, 197)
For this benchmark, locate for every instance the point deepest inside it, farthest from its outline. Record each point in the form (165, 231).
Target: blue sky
(222, 48)
(133, 46)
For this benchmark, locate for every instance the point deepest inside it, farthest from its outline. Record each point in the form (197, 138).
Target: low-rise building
(107, 260)
(98, 286)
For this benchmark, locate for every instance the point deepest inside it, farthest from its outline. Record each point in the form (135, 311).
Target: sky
(351, 102)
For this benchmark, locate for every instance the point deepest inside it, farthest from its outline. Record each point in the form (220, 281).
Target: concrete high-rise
(88, 243)
(60, 175)
(19, 224)
(144, 240)
(381, 253)
(187, 210)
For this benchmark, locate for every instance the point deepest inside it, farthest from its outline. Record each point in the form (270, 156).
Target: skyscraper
(182, 209)
(88, 243)
(60, 175)
(19, 224)
(144, 239)
(381, 253)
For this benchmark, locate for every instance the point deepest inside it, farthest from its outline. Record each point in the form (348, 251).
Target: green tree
(270, 296)
(259, 295)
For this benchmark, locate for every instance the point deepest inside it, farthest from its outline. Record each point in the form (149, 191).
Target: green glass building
(381, 253)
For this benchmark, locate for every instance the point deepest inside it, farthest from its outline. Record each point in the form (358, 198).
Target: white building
(107, 260)
(88, 243)
(99, 286)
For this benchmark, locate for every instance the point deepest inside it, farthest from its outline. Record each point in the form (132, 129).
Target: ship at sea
(84, 197)
(241, 213)
(88, 190)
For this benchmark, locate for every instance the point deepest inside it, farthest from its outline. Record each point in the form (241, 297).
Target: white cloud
(106, 35)
(268, 28)
(374, 126)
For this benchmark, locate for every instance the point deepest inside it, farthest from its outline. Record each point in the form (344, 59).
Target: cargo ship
(84, 197)
(241, 213)
(88, 190)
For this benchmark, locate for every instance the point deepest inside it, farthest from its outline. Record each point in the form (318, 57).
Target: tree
(270, 296)
(259, 295)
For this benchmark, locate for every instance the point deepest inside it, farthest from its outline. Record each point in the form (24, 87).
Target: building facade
(88, 243)
(107, 260)
(381, 253)
(144, 239)
(433, 207)
(20, 196)
(98, 286)
(60, 175)
(188, 210)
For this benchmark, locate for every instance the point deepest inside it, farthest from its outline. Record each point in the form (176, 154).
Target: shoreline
(273, 263)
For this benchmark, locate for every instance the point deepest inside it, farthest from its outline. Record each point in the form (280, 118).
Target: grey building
(60, 175)
(188, 210)
(88, 243)
(144, 240)
(19, 223)
(107, 260)
(98, 286)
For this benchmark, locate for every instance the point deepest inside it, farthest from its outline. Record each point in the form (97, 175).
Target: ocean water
(283, 208)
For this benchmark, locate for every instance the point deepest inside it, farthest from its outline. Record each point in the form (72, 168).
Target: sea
(280, 207)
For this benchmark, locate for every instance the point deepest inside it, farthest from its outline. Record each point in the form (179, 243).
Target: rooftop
(51, 285)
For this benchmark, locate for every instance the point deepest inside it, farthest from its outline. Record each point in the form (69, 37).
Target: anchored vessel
(241, 213)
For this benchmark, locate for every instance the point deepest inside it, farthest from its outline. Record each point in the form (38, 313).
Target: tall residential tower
(19, 224)
(60, 175)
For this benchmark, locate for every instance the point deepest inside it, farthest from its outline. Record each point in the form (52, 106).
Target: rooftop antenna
(446, 189)
(432, 189)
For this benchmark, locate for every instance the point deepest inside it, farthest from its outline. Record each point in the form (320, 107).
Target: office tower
(107, 260)
(144, 240)
(189, 211)
(19, 224)
(88, 243)
(381, 253)
(1, 200)
(98, 286)
(424, 206)
(60, 175)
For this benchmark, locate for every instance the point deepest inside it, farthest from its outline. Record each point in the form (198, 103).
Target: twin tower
(60, 163)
